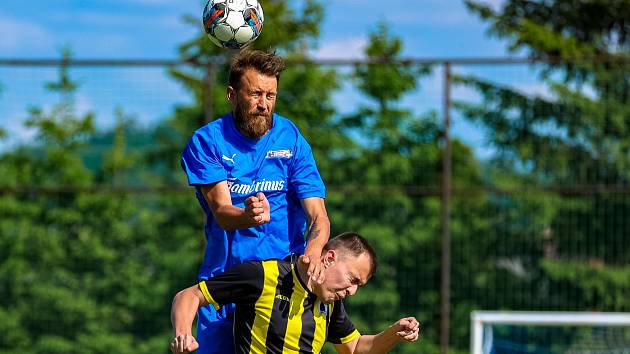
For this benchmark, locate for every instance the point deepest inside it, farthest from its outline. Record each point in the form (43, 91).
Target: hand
(407, 328)
(257, 208)
(184, 343)
(315, 269)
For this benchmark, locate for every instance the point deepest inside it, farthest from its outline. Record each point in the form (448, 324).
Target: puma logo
(231, 159)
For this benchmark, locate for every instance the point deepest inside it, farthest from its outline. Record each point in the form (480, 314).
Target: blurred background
(483, 147)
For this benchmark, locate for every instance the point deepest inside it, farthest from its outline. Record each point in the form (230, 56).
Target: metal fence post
(445, 216)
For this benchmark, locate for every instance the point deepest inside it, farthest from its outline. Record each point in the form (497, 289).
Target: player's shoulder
(251, 264)
(282, 267)
(212, 135)
(214, 128)
(275, 262)
(285, 125)
(281, 270)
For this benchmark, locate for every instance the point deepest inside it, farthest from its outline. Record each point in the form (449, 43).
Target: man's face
(345, 274)
(253, 102)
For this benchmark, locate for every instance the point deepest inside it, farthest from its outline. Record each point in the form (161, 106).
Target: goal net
(550, 332)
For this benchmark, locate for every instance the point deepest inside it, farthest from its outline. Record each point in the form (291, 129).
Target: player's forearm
(318, 234)
(377, 343)
(231, 218)
(183, 311)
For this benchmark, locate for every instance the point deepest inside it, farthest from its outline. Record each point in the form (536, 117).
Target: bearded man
(256, 180)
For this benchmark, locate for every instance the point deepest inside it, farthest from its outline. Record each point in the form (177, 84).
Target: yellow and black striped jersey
(275, 313)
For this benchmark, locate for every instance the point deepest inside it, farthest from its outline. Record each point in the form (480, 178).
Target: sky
(152, 29)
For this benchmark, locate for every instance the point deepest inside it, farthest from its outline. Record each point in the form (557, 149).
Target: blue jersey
(280, 164)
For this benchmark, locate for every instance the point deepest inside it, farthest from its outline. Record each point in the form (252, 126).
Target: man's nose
(263, 103)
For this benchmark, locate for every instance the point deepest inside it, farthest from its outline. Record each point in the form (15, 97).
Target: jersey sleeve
(341, 330)
(201, 162)
(304, 175)
(242, 283)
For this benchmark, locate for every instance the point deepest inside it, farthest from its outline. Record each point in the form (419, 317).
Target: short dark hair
(354, 244)
(268, 64)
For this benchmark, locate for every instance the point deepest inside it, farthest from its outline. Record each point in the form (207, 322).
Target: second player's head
(349, 262)
(252, 90)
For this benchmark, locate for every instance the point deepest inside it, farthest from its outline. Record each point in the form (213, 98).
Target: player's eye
(271, 96)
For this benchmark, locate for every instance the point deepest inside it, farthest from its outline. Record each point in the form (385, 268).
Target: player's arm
(230, 217)
(242, 283)
(317, 235)
(204, 169)
(183, 311)
(405, 329)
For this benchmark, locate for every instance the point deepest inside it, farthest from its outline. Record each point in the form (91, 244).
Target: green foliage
(82, 271)
(602, 286)
(560, 247)
(598, 23)
(119, 159)
(395, 151)
(382, 81)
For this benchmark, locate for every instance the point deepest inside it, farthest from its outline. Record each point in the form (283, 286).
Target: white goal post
(481, 319)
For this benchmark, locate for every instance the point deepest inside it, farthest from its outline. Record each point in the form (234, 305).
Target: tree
(586, 42)
(83, 269)
(390, 176)
(577, 137)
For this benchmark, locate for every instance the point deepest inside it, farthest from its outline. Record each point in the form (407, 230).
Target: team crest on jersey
(276, 154)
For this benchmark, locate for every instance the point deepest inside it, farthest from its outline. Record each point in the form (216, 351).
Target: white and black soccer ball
(233, 23)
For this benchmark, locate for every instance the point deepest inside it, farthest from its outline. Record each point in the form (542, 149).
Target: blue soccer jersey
(280, 164)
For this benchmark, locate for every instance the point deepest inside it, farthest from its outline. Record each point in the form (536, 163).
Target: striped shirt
(275, 313)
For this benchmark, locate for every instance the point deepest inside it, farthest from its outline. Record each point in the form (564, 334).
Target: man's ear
(231, 92)
(330, 257)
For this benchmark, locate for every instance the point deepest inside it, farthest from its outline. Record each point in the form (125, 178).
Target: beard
(252, 124)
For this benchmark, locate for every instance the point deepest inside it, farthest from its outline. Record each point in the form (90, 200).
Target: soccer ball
(233, 23)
